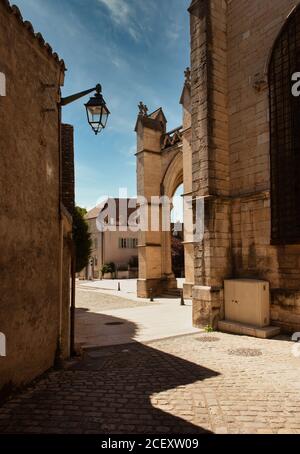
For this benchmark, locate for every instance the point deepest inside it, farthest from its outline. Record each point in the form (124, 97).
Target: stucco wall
(112, 252)
(29, 214)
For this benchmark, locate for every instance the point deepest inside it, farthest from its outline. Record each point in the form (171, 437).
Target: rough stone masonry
(232, 43)
(35, 227)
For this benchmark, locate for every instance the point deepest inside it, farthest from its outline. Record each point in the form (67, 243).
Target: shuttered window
(128, 243)
(285, 134)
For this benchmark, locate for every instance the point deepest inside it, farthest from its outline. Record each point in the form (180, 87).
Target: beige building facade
(238, 154)
(35, 221)
(116, 243)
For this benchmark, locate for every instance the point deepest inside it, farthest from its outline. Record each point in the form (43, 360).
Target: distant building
(115, 243)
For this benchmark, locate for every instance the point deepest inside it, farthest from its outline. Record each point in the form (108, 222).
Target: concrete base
(146, 286)
(248, 330)
(156, 287)
(188, 290)
(207, 306)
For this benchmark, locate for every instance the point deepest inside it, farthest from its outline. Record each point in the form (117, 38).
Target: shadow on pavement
(113, 390)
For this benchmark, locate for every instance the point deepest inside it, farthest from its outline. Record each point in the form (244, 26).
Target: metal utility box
(247, 301)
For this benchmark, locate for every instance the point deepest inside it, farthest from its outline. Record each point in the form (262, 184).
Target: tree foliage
(82, 239)
(108, 268)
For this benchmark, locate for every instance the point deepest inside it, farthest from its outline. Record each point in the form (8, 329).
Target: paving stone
(178, 386)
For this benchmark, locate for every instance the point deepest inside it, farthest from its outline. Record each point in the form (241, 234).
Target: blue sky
(137, 50)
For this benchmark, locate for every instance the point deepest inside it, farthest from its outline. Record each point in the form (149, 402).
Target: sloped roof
(94, 212)
(14, 10)
(154, 115)
(152, 120)
(172, 138)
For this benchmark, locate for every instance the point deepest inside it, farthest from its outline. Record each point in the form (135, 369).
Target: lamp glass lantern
(97, 111)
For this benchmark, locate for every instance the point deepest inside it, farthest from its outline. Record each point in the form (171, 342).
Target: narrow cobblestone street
(150, 184)
(214, 382)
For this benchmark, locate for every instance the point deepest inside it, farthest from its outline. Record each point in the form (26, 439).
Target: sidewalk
(130, 318)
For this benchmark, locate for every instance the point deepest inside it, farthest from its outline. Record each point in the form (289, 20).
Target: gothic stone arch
(163, 163)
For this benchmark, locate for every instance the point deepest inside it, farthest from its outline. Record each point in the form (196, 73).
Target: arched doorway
(177, 235)
(172, 180)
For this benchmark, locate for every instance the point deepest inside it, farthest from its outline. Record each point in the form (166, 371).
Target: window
(128, 243)
(285, 134)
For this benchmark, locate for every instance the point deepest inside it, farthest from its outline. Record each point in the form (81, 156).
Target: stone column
(167, 271)
(210, 157)
(188, 243)
(149, 129)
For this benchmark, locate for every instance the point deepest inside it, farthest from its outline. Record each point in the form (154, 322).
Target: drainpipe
(61, 246)
(58, 356)
(73, 304)
(102, 248)
(61, 264)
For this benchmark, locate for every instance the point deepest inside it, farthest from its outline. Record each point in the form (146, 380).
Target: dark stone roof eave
(14, 10)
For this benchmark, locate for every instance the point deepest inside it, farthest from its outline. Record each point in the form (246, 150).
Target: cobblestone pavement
(93, 299)
(191, 384)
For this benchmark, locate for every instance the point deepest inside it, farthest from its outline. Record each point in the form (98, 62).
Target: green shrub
(208, 329)
(108, 268)
(81, 238)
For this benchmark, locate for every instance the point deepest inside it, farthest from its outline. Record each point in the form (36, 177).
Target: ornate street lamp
(96, 109)
(97, 115)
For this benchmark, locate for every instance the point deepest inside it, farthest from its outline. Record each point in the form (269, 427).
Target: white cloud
(172, 35)
(119, 9)
(123, 14)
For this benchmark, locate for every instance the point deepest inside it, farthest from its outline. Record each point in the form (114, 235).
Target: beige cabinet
(247, 301)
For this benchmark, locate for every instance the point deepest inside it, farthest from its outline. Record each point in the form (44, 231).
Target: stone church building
(239, 152)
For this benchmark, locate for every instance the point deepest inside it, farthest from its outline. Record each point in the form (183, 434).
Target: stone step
(267, 332)
(172, 293)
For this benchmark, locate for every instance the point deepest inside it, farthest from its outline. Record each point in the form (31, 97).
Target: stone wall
(231, 47)
(250, 44)
(210, 156)
(30, 238)
(68, 173)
